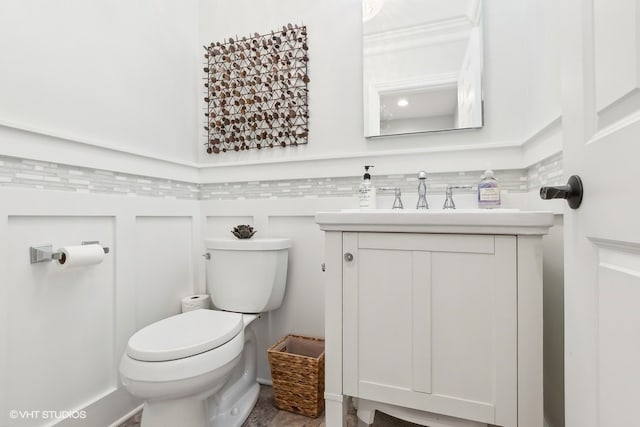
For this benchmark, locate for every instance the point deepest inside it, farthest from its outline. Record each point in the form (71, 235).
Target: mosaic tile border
(510, 180)
(546, 172)
(24, 173)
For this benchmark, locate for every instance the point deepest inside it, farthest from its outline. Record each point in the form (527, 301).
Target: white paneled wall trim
(31, 174)
(155, 261)
(71, 326)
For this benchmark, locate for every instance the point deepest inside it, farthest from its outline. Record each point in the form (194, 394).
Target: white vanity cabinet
(435, 317)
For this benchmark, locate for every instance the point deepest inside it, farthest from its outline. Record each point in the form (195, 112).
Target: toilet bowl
(176, 373)
(199, 368)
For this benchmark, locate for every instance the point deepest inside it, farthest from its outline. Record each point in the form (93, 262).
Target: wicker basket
(297, 371)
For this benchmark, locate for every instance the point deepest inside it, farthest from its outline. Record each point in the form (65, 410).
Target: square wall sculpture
(257, 90)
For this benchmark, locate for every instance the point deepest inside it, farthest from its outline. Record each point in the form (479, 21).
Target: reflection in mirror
(422, 65)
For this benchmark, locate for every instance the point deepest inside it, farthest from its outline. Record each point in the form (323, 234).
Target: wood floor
(265, 414)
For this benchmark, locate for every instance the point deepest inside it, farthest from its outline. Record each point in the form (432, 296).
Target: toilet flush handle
(207, 256)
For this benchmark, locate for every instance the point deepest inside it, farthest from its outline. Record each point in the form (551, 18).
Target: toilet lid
(184, 335)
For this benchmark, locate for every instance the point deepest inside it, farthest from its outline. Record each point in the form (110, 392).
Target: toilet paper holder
(44, 253)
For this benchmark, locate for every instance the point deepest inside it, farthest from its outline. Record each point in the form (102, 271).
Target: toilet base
(174, 412)
(235, 416)
(231, 406)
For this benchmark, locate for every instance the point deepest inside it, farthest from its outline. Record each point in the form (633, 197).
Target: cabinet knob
(348, 257)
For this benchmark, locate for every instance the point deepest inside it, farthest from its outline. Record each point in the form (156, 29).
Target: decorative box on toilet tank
(435, 315)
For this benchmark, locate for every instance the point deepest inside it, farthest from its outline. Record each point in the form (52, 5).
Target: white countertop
(462, 221)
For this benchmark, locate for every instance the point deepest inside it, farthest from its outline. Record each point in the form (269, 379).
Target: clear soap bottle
(488, 191)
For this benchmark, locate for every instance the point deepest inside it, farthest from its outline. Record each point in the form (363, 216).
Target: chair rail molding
(35, 144)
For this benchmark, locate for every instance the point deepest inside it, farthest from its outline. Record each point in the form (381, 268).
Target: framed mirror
(422, 66)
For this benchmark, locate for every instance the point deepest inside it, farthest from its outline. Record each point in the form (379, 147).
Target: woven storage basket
(297, 371)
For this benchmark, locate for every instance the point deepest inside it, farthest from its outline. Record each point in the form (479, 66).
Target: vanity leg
(366, 414)
(335, 410)
(354, 402)
(365, 418)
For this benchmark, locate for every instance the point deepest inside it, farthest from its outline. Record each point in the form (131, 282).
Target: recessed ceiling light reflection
(403, 102)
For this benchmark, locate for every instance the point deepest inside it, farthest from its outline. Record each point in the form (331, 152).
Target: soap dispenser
(488, 191)
(367, 191)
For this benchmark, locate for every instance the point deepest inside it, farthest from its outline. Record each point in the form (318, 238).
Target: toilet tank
(247, 275)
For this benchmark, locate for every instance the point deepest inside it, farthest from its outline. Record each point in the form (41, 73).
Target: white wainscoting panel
(304, 300)
(166, 242)
(221, 226)
(65, 330)
(139, 231)
(302, 310)
(61, 320)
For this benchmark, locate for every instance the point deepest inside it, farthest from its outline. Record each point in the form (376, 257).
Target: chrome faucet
(422, 191)
(397, 202)
(448, 203)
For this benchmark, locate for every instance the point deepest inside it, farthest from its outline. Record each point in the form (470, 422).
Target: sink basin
(463, 221)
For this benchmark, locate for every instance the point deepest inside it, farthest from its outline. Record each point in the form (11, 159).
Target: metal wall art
(257, 91)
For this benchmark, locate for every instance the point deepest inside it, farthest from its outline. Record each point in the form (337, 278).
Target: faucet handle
(397, 203)
(448, 203)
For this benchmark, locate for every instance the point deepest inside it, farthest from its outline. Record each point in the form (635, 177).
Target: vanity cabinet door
(430, 323)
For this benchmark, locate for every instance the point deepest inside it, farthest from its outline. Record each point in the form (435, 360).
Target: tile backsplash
(24, 173)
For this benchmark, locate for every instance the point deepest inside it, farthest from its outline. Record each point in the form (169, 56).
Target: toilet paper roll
(79, 256)
(194, 302)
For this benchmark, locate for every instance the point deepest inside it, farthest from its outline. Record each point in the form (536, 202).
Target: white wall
(543, 37)
(63, 332)
(114, 84)
(336, 142)
(115, 74)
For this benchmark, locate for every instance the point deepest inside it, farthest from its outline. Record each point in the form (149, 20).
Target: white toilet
(198, 368)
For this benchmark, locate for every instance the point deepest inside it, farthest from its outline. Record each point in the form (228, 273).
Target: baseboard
(127, 416)
(263, 381)
(106, 411)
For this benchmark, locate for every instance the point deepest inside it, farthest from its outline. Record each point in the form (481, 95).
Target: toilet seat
(181, 369)
(184, 335)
